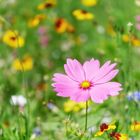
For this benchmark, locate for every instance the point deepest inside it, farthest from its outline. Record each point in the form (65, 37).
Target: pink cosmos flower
(82, 82)
(138, 18)
(44, 40)
(138, 26)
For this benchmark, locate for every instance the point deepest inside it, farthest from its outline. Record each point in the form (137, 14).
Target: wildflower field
(69, 70)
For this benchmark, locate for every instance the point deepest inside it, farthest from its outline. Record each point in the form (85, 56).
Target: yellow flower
(83, 15)
(13, 39)
(135, 126)
(132, 39)
(47, 4)
(89, 3)
(125, 38)
(136, 42)
(70, 106)
(110, 30)
(118, 136)
(123, 137)
(36, 20)
(105, 127)
(70, 28)
(62, 25)
(25, 64)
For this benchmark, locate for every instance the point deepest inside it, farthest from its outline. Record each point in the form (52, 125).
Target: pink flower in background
(82, 82)
(42, 30)
(44, 40)
(137, 22)
(138, 18)
(43, 36)
(138, 26)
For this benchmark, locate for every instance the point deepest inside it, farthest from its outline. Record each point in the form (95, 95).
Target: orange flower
(132, 39)
(118, 136)
(135, 126)
(70, 28)
(105, 127)
(36, 20)
(135, 42)
(83, 15)
(41, 86)
(62, 25)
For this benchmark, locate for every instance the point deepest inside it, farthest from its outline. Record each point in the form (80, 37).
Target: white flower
(106, 120)
(137, 2)
(100, 29)
(7, 2)
(18, 100)
(92, 129)
(129, 24)
(52, 107)
(67, 45)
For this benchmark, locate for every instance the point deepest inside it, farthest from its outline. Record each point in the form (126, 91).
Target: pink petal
(80, 96)
(74, 70)
(65, 92)
(99, 94)
(113, 87)
(91, 68)
(107, 77)
(104, 70)
(64, 86)
(62, 78)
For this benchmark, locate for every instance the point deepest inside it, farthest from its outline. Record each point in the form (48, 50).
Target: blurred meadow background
(36, 38)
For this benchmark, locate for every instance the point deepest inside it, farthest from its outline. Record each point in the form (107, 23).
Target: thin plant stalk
(86, 116)
(24, 82)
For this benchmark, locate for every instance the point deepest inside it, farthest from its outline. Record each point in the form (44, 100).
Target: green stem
(86, 117)
(24, 80)
(108, 136)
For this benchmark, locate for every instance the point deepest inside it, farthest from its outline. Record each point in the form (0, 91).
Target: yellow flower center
(85, 84)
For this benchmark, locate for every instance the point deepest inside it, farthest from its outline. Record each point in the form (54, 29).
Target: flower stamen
(85, 84)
